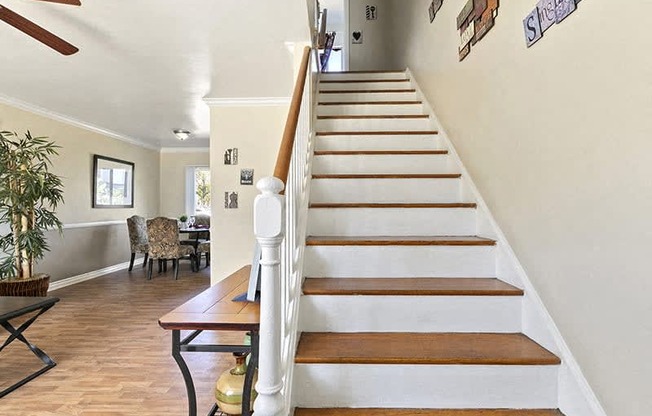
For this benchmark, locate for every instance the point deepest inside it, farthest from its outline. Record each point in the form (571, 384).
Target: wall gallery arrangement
(474, 21)
(546, 14)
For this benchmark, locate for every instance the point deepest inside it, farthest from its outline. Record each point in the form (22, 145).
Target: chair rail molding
(106, 223)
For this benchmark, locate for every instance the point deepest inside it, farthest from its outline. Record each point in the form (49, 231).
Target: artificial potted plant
(29, 195)
(183, 221)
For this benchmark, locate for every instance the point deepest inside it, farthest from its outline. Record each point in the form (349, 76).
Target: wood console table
(214, 310)
(12, 307)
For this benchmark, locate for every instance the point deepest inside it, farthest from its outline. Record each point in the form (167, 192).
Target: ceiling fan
(37, 32)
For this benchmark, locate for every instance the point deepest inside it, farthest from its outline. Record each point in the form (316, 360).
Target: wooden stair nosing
(354, 81)
(399, 241)
(371, 71)
(385, 91)
(408, 286)
(377, 133)
(301, 411)
(401, 205)
(421, 348)
(415, 102)
(374, 117)
(389, 176)
(378, 152)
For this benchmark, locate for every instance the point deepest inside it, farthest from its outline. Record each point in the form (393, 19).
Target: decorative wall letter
(532, 28)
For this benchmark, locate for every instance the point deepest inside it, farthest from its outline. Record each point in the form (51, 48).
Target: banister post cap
(270, 185)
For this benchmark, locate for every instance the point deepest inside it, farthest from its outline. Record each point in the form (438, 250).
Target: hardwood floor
(112, 357)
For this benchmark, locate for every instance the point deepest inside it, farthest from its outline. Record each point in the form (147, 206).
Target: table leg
(249, 377)
(17, 333)
(187, 377)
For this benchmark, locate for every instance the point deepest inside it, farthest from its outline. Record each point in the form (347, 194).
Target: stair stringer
(575, 396)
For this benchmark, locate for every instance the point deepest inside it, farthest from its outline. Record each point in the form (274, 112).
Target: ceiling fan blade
(37, 32)
(70, 2)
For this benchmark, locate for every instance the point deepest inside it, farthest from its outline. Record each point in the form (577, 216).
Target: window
(198, 190)
(113, 183)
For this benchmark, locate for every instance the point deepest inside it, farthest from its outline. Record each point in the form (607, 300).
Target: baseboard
(86, 276)
(576, 398)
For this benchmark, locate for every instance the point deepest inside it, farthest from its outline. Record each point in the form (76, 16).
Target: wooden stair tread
(374, 117)
(421, 348)
(366, 71)
(399, 241)
(353, 81)
(422, 286)
(388, 176)
(316, 205)
(376, 133)
(371, 103)
(367, 91)
(424, 412)
(378, 152)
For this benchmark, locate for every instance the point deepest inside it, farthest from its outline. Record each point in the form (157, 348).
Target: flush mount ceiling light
(181, 134)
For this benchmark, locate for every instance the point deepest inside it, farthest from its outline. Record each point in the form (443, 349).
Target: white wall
(374, 51)
(173, 175)
(89, 248)
(557, 138)
(255, 130)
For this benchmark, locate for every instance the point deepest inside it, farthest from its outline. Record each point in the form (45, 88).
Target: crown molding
(185, 149)
(14, 102)
(247, 101)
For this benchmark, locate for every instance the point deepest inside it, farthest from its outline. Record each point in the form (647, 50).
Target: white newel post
(269, 218)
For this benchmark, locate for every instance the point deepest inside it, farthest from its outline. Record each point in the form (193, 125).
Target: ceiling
(145, 66)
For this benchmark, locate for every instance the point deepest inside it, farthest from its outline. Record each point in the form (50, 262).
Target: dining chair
(204, 248)
(164, 245)
(137, 238)
(202, 221)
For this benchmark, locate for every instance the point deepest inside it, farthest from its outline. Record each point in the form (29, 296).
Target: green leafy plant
(29, 195)
(183, 218)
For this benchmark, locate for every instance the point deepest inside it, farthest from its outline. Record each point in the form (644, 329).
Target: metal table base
(185, 345)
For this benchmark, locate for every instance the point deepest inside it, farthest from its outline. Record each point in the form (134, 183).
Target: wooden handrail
(287, 143)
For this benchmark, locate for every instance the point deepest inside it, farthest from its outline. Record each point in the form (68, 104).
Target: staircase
(402, 312)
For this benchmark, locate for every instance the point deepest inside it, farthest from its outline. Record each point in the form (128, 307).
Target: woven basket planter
(37, 285)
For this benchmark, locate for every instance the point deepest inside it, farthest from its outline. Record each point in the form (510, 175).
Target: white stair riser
(391, 221)
(367, 96)
(385, 190)
(390, 142)
(357, 86)
(375, 109)
(381, 124)
(425, 386)
(400, 261)
(383, 164)
(335, 76)
(410, 314)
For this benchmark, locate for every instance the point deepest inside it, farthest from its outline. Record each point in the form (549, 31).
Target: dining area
(166, 240)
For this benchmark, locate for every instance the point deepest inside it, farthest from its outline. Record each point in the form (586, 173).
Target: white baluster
(269, 219)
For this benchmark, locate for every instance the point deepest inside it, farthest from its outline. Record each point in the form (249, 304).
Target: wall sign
(474, 21)
(371, 12)
(434, 7)
(547, 13)
(230, 200)
(231, 156)
(356, 37)
(246, 176)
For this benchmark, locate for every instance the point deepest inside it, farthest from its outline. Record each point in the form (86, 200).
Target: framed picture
(113, 183)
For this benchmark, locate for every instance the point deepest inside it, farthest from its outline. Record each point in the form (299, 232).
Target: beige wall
(90, 248)
(373, 52)
(256, 132)
(173, 178)
(557, 138)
